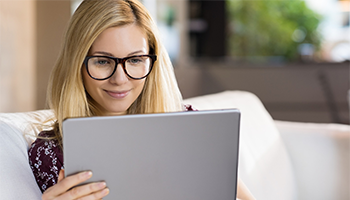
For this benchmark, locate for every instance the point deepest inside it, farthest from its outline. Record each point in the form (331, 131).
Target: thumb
(60, 175)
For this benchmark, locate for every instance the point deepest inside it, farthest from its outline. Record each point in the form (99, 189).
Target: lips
(118, 94)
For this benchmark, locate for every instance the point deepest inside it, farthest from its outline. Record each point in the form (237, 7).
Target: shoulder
(44, 141)
(47, 134)
(188, 107)
(45, 159)
(45, 145)
(44, 148)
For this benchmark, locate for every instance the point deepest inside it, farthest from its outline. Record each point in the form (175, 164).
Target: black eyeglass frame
(122, 61)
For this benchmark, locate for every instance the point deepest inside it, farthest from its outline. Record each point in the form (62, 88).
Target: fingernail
(87, 174)
(105, 192)
(101, 185)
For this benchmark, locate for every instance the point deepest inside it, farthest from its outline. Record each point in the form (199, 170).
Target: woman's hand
(62, 189)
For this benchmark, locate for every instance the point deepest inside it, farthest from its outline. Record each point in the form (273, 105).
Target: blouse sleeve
(45, 160)
(188, 107)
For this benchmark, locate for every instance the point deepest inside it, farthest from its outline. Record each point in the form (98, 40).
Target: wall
(17, 56)
(30, 37)
(52, 20)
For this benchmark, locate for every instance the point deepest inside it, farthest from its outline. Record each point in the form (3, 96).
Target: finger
(60, 175)
(88, 191)
(66, 183)
(97, 195)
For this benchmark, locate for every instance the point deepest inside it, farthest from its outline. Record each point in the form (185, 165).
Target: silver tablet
(183, 155)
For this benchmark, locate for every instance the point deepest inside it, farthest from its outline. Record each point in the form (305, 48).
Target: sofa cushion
(264, 164)
(320, 156)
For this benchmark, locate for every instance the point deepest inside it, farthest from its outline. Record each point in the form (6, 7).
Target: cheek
(140, 85)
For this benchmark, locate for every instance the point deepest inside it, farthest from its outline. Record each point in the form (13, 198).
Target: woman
(111, 63)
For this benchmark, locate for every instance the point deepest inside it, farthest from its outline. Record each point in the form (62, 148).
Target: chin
(113, 112)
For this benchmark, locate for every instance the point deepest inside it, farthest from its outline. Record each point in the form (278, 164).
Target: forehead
(121, 41)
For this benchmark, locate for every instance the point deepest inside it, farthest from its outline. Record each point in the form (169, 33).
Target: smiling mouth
(118, 95)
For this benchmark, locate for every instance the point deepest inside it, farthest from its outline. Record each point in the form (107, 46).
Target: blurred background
(294, 55)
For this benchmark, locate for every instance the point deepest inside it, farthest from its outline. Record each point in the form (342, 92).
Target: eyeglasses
(135, 67)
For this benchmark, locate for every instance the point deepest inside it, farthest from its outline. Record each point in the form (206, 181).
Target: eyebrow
(109, 54)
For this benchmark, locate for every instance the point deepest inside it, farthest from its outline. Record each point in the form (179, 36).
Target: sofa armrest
(17, 131)
(16, 178)
(320, 158)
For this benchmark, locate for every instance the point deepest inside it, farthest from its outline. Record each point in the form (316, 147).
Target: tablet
(181, 155)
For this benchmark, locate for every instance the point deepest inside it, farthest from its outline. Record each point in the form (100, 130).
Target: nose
(119, 77)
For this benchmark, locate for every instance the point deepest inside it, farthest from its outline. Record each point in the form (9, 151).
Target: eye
(135, 60)
(102, 62)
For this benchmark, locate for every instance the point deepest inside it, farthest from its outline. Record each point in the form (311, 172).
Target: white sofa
(278, 160)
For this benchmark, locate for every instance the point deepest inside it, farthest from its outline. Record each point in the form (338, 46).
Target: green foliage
(271, 28)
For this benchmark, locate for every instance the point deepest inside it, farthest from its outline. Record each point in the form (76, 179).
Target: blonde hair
(66, 94)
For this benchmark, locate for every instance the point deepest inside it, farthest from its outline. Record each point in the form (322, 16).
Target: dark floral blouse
(46, 158)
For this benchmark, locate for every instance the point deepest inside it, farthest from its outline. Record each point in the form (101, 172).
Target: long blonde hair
(66, 94)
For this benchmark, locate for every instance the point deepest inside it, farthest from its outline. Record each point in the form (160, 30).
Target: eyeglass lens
(103, 67)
